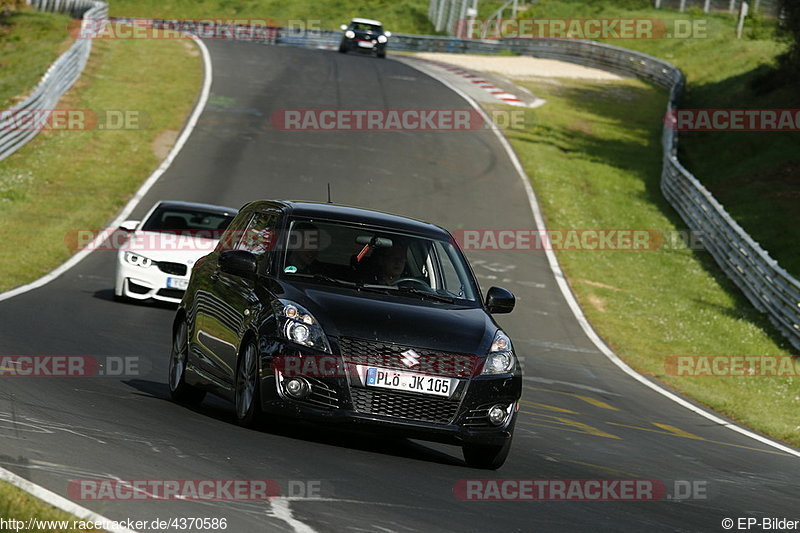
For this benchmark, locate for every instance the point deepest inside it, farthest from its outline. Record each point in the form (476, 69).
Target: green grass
(29, 42)
(19, 505)
(756, 176)
(404, 16)
(593, 154)
(68, 180)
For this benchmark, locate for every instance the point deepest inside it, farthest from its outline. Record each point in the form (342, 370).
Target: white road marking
(573, 304)
(40, 492)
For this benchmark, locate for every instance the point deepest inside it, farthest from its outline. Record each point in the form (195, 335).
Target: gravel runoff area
(521, 67)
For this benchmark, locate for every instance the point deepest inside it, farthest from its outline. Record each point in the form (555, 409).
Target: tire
(342, 49)
(247, 390)
(486, 457)
(179, 390)
(382, 55)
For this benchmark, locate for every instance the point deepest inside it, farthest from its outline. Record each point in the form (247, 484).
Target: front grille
(404, 405)
(388, 355)
(176, 269)
(171, 293)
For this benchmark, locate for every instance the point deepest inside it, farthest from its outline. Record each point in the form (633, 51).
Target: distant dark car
(342, 315)
(365, 36)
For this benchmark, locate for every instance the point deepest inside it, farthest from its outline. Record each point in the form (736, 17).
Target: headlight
(501, 358)
(382, 39)
(349, 34)
(138, 260)
(297, 325)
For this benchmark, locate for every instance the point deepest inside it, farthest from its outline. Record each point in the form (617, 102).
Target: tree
(790, 21)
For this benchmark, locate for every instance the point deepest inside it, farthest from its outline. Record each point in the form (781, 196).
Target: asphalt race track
(581, 417)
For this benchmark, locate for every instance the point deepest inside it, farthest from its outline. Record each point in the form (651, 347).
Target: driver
(390, 263)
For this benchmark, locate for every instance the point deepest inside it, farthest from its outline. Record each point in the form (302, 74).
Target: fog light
(297, 388)
(497, 415)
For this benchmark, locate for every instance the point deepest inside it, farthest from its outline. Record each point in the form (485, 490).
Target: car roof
(366, 21)
(217, 209)
(357, 215)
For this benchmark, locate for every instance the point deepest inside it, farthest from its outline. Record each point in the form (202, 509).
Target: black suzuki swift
(343, 315)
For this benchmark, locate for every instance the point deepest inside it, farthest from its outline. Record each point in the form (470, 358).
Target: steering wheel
(413, 282)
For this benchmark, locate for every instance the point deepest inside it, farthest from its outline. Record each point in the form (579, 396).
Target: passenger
(304, 249)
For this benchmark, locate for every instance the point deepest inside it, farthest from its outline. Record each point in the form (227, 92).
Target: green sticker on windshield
(290, 269)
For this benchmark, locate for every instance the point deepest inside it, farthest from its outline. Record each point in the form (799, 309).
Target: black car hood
(408, 321)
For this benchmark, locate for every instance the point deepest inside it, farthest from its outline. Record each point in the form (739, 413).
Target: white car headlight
(138, 260)
(501, 359)
(382, 39)
(297, 325)
(350, 34)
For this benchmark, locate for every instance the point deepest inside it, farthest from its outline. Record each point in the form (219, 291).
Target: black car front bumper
(338, 400)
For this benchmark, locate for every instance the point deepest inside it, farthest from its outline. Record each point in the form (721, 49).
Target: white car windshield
(179, 219)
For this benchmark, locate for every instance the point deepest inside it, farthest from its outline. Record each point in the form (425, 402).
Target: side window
(259, 235)
(452, 281)
(232, 234)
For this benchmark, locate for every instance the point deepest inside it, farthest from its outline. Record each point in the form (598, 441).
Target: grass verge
(68, 180)
(19, 505)
(593, 154)
(30, 41)
(756, 175)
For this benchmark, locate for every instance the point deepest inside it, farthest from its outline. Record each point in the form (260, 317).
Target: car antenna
(329, 193)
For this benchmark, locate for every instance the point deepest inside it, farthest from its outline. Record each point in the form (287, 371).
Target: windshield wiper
(427, 294)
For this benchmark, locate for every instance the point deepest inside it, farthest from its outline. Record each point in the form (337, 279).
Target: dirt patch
(521, 67)
(597, 303)
(164, 142)
(191, 48)
(598, 284)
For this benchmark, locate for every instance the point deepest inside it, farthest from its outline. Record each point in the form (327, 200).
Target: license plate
(177, 283)
(406, 381)
(365, 44)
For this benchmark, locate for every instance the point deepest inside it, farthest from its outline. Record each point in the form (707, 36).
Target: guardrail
(768, 286)
(61, 75)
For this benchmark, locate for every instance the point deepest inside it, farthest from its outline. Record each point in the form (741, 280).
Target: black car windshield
(360, 26)
(185, 219)
(375, 259)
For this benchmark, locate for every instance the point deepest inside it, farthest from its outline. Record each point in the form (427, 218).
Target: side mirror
(238, 263)
(387, 34)
(499, 300)
(129, 225)
(343, 26)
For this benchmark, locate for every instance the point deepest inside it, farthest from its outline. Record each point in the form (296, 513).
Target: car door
(232, 300)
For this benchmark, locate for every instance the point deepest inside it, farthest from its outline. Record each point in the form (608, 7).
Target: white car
(157, 258)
